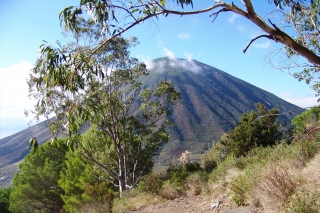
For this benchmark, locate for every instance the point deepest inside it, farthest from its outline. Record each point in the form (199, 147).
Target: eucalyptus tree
(298, 32)
(103, 92)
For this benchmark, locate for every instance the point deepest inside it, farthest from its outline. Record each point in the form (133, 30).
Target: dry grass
(171, 191)
(135, 202)
(276, 185)
(197, 183)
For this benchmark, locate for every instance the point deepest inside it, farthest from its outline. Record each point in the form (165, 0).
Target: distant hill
(15, 147)
(212, 103)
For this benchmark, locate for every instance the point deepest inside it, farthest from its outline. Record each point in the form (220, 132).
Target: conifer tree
(35, 188)
(258, 128)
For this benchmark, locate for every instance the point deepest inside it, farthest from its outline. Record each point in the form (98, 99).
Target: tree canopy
(84, 185)
(35, 188)
(103, 92)
(257, 128)
(298, 33)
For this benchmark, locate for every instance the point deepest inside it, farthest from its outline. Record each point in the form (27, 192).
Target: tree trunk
(121, 176)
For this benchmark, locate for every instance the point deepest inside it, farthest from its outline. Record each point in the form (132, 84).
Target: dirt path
(194, 204)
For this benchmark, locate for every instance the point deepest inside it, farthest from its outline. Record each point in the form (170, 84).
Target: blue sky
(25, 23)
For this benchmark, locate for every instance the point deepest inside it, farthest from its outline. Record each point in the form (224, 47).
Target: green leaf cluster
(257, 128)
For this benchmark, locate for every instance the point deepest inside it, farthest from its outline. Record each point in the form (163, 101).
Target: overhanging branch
(261, 36)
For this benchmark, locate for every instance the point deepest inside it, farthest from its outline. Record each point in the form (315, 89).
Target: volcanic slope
(212, 103)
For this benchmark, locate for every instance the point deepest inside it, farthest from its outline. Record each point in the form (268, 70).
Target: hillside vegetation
(212, 103)
(281, 176)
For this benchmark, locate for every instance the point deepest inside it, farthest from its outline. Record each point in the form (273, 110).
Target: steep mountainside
(212, 103)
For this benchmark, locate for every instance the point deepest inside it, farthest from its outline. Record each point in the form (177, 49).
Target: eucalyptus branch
(89, 157)
(261, 36)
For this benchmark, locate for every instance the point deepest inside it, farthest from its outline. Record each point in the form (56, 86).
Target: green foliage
(103, 92)
(197, 182)
(304, 16)
(254, 129)
(213, 157)
(152, 183)
(239, 188)
(306, 119)
(304, 202)
(4, 200)
(83, 184)
(35, 188)
(178, 174)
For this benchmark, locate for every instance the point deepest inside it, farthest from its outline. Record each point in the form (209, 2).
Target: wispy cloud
(184, 36)
(147, 60)
(188, 56)
(232, 18)
(299, 100)
(264, 45)
(242, 28)
(166, 51)
(169, 53)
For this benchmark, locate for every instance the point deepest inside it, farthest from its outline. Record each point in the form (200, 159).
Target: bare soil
(194, 204)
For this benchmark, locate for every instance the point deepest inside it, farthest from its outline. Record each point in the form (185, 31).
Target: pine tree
(35, 188)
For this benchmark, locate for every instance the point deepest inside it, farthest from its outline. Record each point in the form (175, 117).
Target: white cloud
(188, 64)
(184, 36)
(13, 96)
(169, 53)
(263, 45)
(188, 56)
(232, 18)
(149, 64)
(242, 28)
(299, 100)
(158, 66)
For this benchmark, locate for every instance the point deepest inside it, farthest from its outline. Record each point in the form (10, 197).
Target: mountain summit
(212, 103)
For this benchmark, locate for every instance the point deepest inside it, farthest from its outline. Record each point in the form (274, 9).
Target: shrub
(304, 202)
(208, 165)
(276, 186)
(172, 190)
(151, 183)
(241, 188)
(196, 182)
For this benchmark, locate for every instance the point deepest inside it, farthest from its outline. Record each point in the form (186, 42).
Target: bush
(172, 190)
(276, 186)
(196, 182)
(151, 183)
(208, 165)
(304, 202)
(241, 188)
(178, 174)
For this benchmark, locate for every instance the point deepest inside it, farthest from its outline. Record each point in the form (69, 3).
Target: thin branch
(288, 112)
(261, 36)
